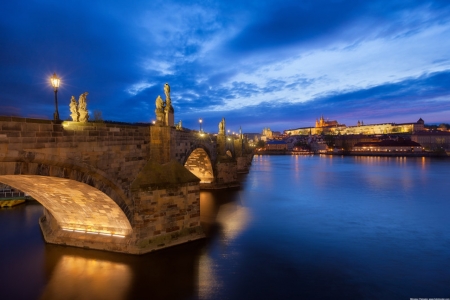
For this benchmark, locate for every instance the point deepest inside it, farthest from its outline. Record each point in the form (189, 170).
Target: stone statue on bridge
(159, 104)
(74, 109)
(167, 92)
(222, 126)
(179, 126)
(82, 108)
(159, 111)
(169, 112)
(164, 110)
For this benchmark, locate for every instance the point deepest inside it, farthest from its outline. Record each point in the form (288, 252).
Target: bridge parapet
(113, 148)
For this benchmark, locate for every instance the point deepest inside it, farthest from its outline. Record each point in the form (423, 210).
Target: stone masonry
(138, 170)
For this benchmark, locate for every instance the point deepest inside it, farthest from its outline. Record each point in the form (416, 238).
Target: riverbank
(351, 153)
(391, 154)
(283, 152)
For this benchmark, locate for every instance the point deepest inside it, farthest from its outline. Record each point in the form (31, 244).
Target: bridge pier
(244, 162)
(167, 206)
(166, 213)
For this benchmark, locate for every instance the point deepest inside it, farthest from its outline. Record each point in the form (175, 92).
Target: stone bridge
(117, 187)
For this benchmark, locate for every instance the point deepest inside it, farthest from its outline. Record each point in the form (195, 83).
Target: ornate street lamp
(200, 121)
(55, 83)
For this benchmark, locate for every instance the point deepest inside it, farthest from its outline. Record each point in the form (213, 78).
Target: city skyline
(271, 64)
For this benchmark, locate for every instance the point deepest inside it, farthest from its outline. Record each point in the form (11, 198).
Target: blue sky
(277, 64)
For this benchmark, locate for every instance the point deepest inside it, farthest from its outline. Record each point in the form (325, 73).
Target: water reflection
(233, 218)
(223, 217)
(207, 282)
(175, 273)
(76, 277)
(223, 211)
(332, 228)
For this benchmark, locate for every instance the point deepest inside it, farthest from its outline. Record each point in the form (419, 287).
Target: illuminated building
(321, 123)
(266, 134)
(276, 145)
(432, 140)
(388, 146)
(333, 127)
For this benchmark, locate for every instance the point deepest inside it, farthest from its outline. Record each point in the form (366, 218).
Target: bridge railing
(11, 194)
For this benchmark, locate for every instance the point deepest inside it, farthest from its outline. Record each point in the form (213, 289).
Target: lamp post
(55, 83)
(200, 121)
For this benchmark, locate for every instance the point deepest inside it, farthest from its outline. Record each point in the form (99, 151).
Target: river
(300, 227)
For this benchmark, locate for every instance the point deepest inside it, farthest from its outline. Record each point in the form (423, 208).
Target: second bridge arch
(199, 163)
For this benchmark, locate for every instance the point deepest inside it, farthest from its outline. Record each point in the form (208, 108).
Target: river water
(301, 227)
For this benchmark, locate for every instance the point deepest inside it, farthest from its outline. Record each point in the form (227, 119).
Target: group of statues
(164, 110)
(78, 111)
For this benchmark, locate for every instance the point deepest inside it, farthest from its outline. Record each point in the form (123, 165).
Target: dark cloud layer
(123, 52)
(404, 101)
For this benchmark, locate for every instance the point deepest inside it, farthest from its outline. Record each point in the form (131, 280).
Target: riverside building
(323, 126)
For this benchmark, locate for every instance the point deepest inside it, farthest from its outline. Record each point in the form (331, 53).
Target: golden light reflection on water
(403, 175)
(83, 278)
(297, 168)
(263, 164)
(232, 218)
(263, 160)
(207, 279)
(424, 163)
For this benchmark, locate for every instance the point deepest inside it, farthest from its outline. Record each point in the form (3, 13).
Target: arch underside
(74, 205)
(51, 166)
(200, 165)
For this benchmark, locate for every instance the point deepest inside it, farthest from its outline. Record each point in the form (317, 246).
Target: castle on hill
(333, 127)
(321, 123)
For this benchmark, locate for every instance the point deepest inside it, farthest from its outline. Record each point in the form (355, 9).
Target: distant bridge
(115, 187)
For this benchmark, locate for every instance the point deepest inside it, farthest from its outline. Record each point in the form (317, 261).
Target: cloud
(254, 62)
(136, 88)
(405, 101)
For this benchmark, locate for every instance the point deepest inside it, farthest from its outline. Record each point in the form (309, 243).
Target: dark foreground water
(301, 227)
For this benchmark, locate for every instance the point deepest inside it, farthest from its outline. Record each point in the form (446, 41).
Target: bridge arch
(198, 161)
(74, 205)
(31, 163)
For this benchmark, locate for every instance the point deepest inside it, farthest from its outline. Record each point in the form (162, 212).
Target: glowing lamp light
(55, 81)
